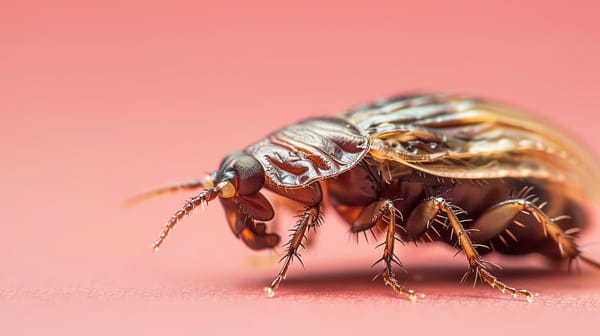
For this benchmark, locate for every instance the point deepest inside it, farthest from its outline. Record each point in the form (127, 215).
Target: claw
(390, 280)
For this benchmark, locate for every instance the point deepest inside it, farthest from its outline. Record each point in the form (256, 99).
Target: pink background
(99, 101)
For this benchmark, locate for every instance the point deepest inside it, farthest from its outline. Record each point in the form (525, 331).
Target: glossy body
(474, 198)
(479, 176)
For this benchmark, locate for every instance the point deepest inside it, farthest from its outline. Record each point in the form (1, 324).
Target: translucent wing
(462, 138)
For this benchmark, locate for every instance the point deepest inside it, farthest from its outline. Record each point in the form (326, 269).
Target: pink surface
(100, 101)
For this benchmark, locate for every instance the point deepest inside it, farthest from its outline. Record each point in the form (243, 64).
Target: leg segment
(436, 206)
(497, 219)
(310, 217)
(476, 265)
(389, 277)
(311, 197)
(383, 213)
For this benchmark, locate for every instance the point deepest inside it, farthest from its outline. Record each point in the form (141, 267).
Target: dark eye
(250, 174)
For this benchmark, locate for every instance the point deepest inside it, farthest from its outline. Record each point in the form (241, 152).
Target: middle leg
(384, 213)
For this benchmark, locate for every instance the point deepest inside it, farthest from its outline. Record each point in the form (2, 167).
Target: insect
(475, 174)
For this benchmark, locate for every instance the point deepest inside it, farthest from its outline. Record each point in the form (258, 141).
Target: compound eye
(230, 159)
(249, 173)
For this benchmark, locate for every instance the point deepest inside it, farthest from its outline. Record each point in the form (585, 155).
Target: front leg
(311, 197)
(310, 217)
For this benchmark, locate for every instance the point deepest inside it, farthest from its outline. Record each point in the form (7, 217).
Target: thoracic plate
(311, 150)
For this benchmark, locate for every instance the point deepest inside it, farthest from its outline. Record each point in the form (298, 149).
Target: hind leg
(496, 223)
(424, 217)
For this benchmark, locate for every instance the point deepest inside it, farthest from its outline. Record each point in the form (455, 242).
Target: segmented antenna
(168, 189)
(201, 199)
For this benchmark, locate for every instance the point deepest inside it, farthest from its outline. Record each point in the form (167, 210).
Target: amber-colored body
(476, 175)
(412, 191)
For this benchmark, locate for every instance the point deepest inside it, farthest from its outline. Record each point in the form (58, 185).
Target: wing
(309, 151)
(462, 138)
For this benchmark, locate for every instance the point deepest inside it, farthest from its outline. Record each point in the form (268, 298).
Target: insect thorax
(312, 150)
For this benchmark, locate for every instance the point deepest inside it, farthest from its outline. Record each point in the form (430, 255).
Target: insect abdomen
(490, 208)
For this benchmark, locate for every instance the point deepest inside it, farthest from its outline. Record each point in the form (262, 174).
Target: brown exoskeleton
(474, 174)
